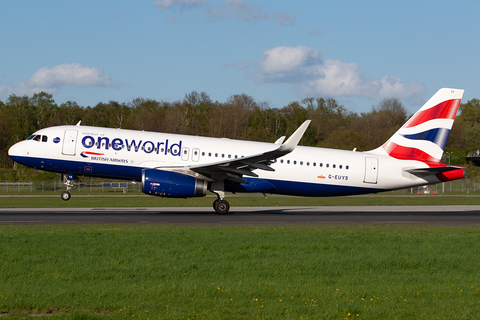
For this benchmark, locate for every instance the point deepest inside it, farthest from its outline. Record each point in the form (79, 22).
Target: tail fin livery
(424, 136)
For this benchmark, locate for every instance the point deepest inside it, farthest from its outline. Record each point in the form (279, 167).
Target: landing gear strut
(68, 181)
(220, 205)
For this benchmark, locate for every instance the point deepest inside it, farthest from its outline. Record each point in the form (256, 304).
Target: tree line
(240, 117)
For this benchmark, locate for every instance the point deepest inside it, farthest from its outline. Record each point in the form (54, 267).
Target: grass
(234, 200)
(240, 272)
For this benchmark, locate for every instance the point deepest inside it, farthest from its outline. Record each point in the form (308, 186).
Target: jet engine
(172, 184)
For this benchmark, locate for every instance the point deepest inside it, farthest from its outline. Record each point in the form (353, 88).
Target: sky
(357, 52)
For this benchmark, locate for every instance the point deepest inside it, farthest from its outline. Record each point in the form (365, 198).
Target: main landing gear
(220, 205)
(68, 181)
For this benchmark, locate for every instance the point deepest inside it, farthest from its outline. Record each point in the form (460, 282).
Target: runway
(432, 215)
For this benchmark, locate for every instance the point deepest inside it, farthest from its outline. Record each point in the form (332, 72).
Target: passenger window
(288, 161)
(346, 167)
(281, 161)
(294, 161)
(321, 165)
(340, 166)
(333, 166)
(314, 164)
(301, 163)
(308, 163)
(209, 154)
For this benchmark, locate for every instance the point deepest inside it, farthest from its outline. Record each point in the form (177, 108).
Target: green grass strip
(240, 272)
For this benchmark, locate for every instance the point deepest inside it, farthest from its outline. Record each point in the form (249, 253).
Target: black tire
(221, 206)
(66, 195)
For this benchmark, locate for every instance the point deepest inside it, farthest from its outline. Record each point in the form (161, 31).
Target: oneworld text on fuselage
(117, 144)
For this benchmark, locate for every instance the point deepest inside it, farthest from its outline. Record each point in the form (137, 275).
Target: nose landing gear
(68, 181)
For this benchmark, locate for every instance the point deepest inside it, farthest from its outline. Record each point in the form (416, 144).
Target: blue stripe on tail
(438, 136)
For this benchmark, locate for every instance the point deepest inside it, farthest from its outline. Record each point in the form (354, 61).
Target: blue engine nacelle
(172, 184)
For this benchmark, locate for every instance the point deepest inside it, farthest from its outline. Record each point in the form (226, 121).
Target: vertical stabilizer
(424, 135)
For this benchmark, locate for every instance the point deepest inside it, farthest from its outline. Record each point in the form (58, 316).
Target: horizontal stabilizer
(431, 171)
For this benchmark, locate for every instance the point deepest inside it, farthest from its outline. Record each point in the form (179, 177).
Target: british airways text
(118, 144)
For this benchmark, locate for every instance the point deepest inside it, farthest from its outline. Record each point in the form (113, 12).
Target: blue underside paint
(135, 173)
(80, 168)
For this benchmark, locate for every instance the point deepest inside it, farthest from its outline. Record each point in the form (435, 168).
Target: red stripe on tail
(445, 110)
(405, 153)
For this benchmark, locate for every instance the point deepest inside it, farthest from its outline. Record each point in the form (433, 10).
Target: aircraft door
(371, 170)
(185, 152)
(69, 142)
(195, 154)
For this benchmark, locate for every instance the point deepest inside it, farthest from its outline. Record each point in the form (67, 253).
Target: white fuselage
(123, 154)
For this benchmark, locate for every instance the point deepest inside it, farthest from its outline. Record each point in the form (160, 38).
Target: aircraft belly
(82, 168)
(309, 189)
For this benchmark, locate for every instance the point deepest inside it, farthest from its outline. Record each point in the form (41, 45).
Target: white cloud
(287, 64)
(239, 9)
(284, 19)
(304, 69)
(52, 79)
(165, 5)
(315, 32)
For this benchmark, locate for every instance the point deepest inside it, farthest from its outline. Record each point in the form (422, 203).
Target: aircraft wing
(234, 169)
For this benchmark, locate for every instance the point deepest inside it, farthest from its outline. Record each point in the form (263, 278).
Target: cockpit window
(38, 137)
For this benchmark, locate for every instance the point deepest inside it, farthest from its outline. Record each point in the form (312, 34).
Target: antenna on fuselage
(78, 124)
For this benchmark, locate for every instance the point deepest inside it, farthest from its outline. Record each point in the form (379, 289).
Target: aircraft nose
(15, 150)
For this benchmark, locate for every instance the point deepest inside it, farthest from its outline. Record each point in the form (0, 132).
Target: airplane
(182, 166)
